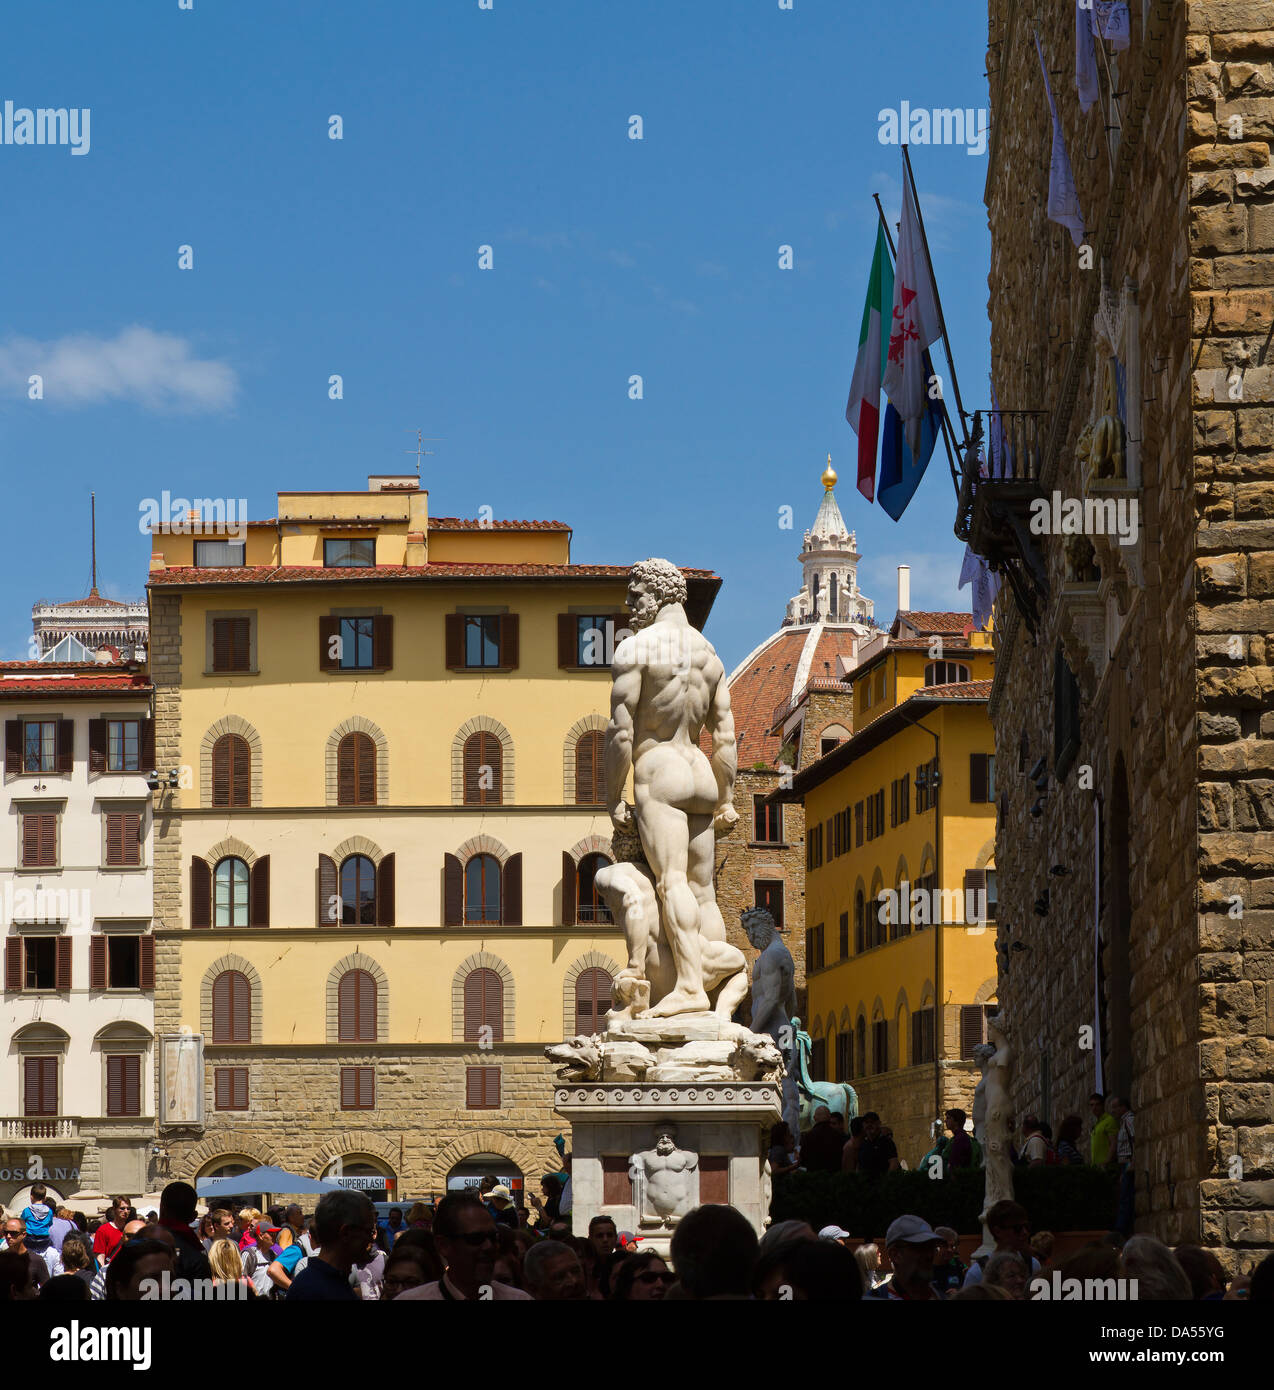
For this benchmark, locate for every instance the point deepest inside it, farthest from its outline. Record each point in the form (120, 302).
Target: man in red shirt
(109, 1234)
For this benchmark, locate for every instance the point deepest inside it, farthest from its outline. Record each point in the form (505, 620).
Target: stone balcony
(57, 1129)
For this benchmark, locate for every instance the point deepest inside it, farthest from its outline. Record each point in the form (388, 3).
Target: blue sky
(612, 257)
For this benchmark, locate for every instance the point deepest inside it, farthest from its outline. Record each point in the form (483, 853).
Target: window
(482, 1088)
(858, 825)
(124, 1085)
(926, 785)
(349, 554)
(358, 1088)
(482, 890)
(973, 1019)
(992, 894)
(767, 820)
(40, 954)
(768, 893)
(484, 1006)
(592, 1000)
(818, 1059)
(946, 672)
(482, 640)
(123, 961)
(814, 847)
(123, 745)
(37, 963)
(356, 1007)
(356, 646)
(358, 892)
(589, 904)
(981, 777)
(922, 1037)
(39, 839)
(230, 893)
(860, 1046)
(876, 814)
(594, 639)
(231, 1008)
(123, 839)
(483, 770)
(827, 745)
(844, 1056)
(900, 800)
(40, 745)
(232, 644)
(356, 771)
(860, 923)
(843, 935)
(39, 1086)
(230, 1088)
(231, 771)
(880, 1045)
(219, 554)
(814, 947)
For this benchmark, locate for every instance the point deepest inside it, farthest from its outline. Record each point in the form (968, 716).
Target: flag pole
(942, 322)
(948, 434)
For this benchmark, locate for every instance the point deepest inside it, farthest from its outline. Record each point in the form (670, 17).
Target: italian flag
(863, 410)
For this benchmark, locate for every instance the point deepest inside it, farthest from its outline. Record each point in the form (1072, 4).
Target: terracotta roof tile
(934, 622)
(93, 601)
(957, 690)
(70, 681)
(457, 523)
(441, 571)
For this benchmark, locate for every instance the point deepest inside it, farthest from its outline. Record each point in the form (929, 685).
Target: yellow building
(374, 878)
(890, 850)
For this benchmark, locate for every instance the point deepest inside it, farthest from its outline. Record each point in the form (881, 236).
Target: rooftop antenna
(92, 500)
(420, 451)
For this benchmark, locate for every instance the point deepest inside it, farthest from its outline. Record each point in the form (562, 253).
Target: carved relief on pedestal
(1083, 611)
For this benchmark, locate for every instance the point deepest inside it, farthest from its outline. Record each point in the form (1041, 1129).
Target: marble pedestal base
(722, 1123)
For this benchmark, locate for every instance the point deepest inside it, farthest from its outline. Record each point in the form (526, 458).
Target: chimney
(904, 588)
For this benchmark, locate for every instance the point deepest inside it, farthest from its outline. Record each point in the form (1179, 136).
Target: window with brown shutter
(146, 962)
(356, 771)
(259, 892)
(97, 963)
(124, 1085)
(973, 1019)
(567, 641)
(880, 1045)
(482, 1088)
(844, 1056)
(978, 783)
(592, 1000)
(385, 891)
(843, 937)
(590, 769)
(39, 1086)
(453, 881)
(200, 892)
(454, 641)
(383, 642)
(13, 964)
(510, 655)
(358, 1088)
(356, 1007)
(974, 895)
(511, 889)
(123, 961)
(230, 1088)
(39, 958)
(97, 740)
(39, 839)
(568, 888)
(232, 644)
(590, 905)
(231, 771)
(483, 1006)
(63, 964)
(123, 839)
(922, 1037)
(13, 745)
(483, 770)
(328, 908)
(231, 1008)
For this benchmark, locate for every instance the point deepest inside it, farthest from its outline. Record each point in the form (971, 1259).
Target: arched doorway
(468, 1174)
(365, 1174)
(232, 1168)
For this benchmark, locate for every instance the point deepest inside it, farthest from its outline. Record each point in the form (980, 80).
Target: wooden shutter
(40, 1086)
(454, 624)
(146, 746)
(971, 1017)
(123, 1085)
(385, 891)
(231, 1008)
(328, 628)
(590, 772)
(123, 847)
(241, 644)
(977, 777)
(452, 891)
(511, 892)
(568, 889)
(13, 964)
(97, 962)
(97, 741)
(13, 745)
(509, 652)
(327, 890)
(975, 883)
(200, 892)
(146, 962)
(241, 773)
(231, 1087)
(63, 976)
(483, 1005)
(482, 1088)
(39, 839)
(221, 644)
(347, 771)
(349, 1088)
(358, 1088)
(592, 1000)
(483, 750)
(365, 770)
(383, 642)
(259, 893)
(66, 745)
(242, 1015)
(356, 1007)
(567, 641)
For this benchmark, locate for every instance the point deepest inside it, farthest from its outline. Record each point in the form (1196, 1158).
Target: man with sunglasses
(465, 1234)
(1010, 1228)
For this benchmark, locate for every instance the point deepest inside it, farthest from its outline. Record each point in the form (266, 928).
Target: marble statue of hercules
(668, 685)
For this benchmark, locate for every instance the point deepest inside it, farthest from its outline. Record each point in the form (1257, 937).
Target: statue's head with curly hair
(758, 926)
(652, 585)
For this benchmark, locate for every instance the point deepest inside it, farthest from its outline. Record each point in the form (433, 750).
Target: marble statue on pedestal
(982, 1054)
(999, 1113)
(665, 1180)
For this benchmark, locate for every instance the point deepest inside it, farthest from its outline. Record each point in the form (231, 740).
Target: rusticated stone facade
(1156, 827)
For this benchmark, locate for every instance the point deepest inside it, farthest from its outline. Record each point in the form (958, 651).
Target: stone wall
(1174, 751)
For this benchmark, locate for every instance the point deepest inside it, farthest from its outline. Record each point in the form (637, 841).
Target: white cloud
(154, 370)
(621, 259)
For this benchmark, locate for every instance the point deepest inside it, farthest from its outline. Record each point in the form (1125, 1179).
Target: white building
(77, 1084)
(74, 630)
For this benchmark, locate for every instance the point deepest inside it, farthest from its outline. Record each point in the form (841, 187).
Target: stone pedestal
(720, 1125)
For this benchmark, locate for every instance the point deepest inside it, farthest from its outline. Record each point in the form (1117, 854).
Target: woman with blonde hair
(247, 1220)
(227, 1266)
(868, 1257)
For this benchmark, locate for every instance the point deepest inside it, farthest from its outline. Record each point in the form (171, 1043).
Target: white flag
(916, 323)
(1063, 200)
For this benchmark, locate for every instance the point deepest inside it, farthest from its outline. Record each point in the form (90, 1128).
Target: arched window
(815, 615)
(231, 771)
(483, 1006)
(231, 1008)
(358, 892)
(860, 923)
(860, 1046)
(356, 771)
(230, 893)
(589, 905)
(946, 672)
(482, 890)
(831, 596)
(590, 774)
(592, 1000)
(483, 770)
(356, 1007)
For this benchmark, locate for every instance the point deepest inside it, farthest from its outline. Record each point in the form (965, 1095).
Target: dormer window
(219, 554)
(946, 673)
(349, 554)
